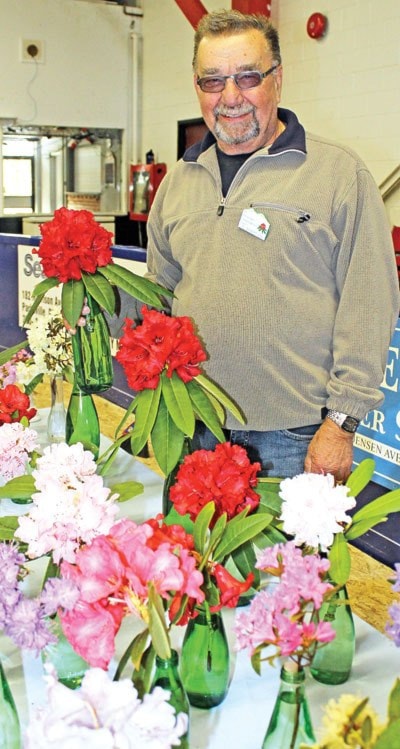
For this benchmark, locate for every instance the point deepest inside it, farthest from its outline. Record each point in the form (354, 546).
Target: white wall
(85, 77)
(345, 86)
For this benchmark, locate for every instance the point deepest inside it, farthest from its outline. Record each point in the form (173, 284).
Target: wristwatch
(344, 421)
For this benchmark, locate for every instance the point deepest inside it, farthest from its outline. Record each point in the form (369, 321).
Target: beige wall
(345, 86)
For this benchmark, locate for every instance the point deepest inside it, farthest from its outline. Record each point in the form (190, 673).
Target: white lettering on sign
(390, 382)
(374, 420)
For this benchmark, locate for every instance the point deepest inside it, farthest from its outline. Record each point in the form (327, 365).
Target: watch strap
(344, 421)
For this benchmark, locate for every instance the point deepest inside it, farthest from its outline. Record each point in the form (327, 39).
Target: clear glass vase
(10, 732)
(92, 352)
(332, 663)
(205, 659)
(70, 667)
(167, 676)
(82, 423)
(290, 724)
(57, 416)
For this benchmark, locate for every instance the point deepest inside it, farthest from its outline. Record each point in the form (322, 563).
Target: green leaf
(238, 531)
(131, 408)
(136, 286)
(72, 296)
(127, 490)
(157, 625)
(178, 403)
(269, 537)
(359, 528)
(390, 737)
(101, 290)
(29, 388)
(44, 286)
(256, 662)
(206, 410)
(142, 677)
(394, 702)
(8, 526)
(242, 561)
(383, 505)
(339, 557)
(133, 652)
(361, 476)
(145, 415)
(166, 439)
(21, 487)
(219, 394)
(216, 533)
(270, 501)
(6, 355)
(201, 526)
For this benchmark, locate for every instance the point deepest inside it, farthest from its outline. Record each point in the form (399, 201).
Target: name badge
(254, 223)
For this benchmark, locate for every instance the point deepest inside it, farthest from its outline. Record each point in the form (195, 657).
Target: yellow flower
(350, 722)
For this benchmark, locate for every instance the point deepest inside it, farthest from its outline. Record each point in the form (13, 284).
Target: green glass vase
(69, 666)
(10, 732)
(82, 422)
(290, 724)
(167, 676)
(332, 662)
(205, 659)
(92, 352)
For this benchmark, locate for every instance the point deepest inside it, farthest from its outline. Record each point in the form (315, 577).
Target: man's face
(241, 120)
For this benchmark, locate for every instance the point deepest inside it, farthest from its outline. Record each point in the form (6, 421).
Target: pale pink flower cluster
(113, 574)
(17, 443)
(71, 506)
(314, 509)
(104, 714)
(282, 614)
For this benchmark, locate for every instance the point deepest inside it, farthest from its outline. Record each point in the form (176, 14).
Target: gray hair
(228, 22)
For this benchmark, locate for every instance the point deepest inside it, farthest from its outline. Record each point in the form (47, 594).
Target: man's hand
(81, 322)
(330, 451)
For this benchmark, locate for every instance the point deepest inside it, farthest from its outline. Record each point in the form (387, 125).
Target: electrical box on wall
(143, 184)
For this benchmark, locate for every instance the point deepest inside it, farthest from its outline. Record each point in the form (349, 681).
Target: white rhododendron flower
(314, 509)
(104, 714)
(71, 505)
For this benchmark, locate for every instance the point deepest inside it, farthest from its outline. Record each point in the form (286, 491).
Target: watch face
(350, 424)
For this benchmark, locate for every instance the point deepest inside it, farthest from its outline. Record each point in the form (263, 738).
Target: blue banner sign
(378, 435)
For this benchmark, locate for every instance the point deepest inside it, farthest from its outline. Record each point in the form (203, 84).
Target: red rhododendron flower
(71, 243)
(224, 476)
(14, 405)
(230, 588)
(160, 343)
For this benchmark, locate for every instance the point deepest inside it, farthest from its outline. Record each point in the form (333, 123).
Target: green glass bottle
(92, 352)
(290, 724)
(205, 659)
(57, 415)
(10, 732)
(167, 676)
(332, 663)
(82, 423)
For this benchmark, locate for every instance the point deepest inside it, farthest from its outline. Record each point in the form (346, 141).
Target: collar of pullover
(292, 138)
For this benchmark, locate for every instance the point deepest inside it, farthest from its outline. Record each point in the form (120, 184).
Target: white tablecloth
(241, 720)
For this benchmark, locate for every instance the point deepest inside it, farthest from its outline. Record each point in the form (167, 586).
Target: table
(242, 719)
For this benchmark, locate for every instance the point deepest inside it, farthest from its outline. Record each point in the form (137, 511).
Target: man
(277, 245)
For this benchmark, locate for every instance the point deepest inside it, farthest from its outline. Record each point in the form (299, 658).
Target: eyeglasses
(213, 84)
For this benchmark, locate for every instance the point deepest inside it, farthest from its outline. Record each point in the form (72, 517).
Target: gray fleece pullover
(298, 322)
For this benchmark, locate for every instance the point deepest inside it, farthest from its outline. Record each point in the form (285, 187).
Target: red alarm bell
(317, 25)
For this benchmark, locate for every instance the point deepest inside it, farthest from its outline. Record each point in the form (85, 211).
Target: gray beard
(251, 131)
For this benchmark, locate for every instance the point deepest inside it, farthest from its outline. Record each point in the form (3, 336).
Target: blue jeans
(281, 452)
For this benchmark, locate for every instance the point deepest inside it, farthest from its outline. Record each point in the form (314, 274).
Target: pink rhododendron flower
(282, 615)
(113, 574)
